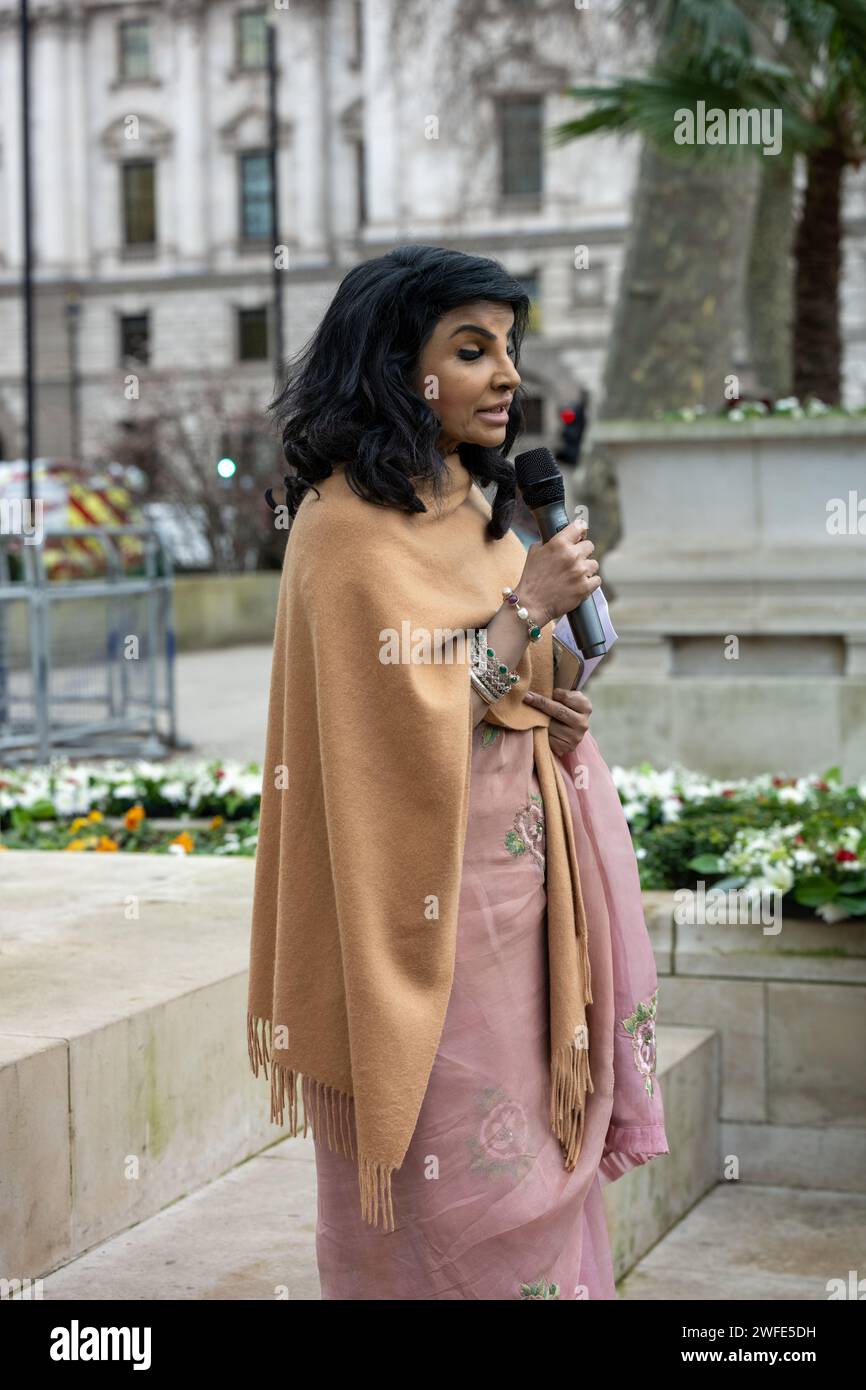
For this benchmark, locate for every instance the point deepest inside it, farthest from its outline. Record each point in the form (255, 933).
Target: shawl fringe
(570, 1081)
(374, 1176)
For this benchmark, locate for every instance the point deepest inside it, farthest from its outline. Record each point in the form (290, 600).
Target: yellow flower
(106, 843)
(77, 824)
(216, 822)
(2, 846)
(185, 840)
(75, 844)
(95, 815)
(134, 816)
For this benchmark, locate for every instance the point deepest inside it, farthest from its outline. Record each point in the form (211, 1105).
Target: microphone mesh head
(539, 478)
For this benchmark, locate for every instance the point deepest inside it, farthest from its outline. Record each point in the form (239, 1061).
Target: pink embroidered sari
(484, 1206)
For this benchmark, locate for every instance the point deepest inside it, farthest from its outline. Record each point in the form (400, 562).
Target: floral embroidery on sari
(528, 830)
(642, 1026)
(539, 1288)
(500, 1146)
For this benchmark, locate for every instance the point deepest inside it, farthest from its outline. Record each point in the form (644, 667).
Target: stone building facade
(398, 121)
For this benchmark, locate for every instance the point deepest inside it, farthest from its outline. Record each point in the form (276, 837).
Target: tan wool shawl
(365, 798)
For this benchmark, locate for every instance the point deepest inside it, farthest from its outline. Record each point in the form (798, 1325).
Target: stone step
(250, 1234)
(645, 1203)
(124, 1077)
(747, 1241)
(225, 1242)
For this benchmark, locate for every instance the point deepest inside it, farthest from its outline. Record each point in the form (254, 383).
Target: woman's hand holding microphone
(556, 578)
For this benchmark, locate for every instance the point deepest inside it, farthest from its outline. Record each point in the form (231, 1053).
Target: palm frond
(702, 25)
(652, 106)
(820, 24)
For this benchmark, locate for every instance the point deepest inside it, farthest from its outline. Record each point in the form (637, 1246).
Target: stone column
(76, 195)
(11, 193)
(381, 120)
(50, 145)
(190, 158)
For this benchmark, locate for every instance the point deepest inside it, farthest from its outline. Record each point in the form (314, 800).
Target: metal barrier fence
(87, 666)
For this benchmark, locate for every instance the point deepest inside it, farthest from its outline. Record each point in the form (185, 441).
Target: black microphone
(543, 491)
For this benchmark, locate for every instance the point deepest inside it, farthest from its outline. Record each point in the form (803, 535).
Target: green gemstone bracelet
(511, 597)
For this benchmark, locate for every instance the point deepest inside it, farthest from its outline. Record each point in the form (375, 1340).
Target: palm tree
(716, 52)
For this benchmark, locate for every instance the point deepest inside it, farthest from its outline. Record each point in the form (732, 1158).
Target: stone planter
(791, 1012)
(741, 616)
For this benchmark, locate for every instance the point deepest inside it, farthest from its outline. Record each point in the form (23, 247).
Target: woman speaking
(450, 973)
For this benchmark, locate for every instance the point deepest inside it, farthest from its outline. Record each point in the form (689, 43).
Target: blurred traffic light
(573, 419)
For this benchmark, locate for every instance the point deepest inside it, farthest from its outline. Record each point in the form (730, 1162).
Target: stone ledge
(124, 1076)
(725, 431)
(804, 951)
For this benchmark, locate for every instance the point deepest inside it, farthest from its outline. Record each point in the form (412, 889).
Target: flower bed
(790, 408)
(171, 808)
(804, 838)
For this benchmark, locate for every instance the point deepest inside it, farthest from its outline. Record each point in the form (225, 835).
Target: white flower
(173, 791)
(698, 791)
(177, 849)
(151, 771)
(125, 791)
(803, 857)
(736, 414)
(778, 876)
(797, 794)
(831, 913)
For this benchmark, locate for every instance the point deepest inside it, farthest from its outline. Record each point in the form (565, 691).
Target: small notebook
(564, 633)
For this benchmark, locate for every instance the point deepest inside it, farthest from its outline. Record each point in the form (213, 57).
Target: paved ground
(242, 1237)
(222, 701)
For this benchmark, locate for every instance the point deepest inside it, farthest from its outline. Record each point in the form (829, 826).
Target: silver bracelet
(481, 688)
(489, 673)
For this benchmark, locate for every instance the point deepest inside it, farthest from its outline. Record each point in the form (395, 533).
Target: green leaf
(814, 891)
(833, 774)
(706, 864)
(856, 906)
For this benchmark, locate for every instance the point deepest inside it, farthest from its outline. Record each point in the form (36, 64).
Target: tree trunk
(818, 250)
(769, 281)
(681, 286)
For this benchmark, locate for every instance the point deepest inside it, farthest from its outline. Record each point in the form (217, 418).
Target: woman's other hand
(569, 712)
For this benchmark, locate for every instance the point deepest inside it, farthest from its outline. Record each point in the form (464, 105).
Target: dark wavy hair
(349, 399)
